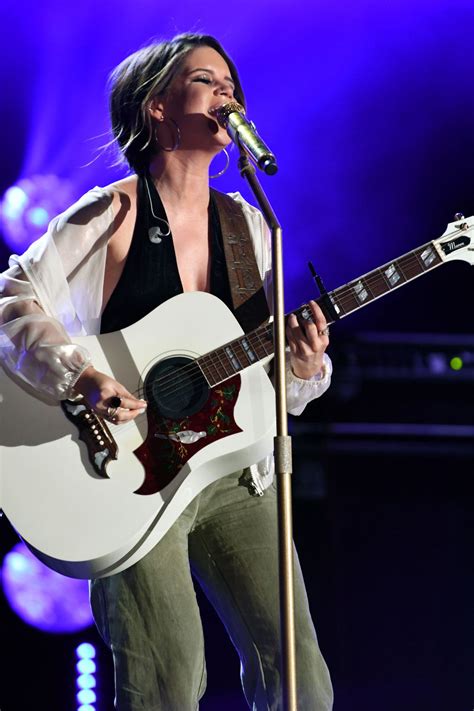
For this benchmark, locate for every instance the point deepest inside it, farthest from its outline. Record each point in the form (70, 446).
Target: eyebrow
(210, 71)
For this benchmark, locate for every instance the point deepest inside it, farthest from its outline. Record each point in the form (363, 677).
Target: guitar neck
(256, 346)
(375, 284)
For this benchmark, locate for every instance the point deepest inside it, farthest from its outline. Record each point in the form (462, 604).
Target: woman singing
(105, 263)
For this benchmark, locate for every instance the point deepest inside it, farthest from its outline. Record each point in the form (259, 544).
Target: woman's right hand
(99, 390)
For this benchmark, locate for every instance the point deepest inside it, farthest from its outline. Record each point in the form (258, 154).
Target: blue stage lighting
(27, 207)
(14, 202)
(86, 696)
(86, 666)
(41, 597)
(85, 651)
(86, 681)
(38, 217)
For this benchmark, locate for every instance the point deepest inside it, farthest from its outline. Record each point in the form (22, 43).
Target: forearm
(34, 346)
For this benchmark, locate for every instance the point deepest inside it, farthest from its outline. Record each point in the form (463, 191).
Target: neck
(182, 177)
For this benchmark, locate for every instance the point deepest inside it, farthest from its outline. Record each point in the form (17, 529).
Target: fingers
(108, 397)
(121, 407)
(307, 337)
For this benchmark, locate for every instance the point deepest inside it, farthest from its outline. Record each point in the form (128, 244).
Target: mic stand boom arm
(282, 450)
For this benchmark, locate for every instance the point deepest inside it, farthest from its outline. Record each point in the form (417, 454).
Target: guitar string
(343, 293)
(168, 383)
(345, 296)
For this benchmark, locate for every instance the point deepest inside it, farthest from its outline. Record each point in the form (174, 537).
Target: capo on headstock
(324, 301)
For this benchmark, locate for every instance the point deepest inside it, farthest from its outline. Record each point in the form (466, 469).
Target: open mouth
(213, 125)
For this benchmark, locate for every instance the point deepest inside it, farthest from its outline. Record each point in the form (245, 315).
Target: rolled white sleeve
(300, 392)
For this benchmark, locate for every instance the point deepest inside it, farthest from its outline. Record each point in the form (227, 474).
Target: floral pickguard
(163, 455)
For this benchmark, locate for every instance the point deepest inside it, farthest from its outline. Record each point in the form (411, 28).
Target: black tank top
(150, 275)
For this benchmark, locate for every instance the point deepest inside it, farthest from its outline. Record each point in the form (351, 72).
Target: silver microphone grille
(223, 112)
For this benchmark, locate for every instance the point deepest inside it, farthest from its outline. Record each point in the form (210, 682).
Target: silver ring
(324, 331)
(111, 412)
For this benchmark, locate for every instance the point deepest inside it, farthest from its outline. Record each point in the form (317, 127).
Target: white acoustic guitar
(90, 498)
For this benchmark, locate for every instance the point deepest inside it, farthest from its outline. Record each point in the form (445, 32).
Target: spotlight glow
(27, 208)
(86, 666)
(86, 696)
(86, 680)
(41, 597)
(85, 651)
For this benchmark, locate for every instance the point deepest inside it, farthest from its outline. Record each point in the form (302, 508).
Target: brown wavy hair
(143, 75)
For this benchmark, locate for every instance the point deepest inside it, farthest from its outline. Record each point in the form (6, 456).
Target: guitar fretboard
(253, 347)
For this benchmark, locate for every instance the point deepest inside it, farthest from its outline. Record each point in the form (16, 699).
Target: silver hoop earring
(221, 172)
(177, 139)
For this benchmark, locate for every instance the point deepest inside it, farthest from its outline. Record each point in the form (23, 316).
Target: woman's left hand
(307, 341)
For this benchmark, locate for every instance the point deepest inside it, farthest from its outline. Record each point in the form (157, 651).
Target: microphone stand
(282, 451)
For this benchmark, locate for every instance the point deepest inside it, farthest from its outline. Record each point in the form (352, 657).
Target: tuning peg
(459, 216)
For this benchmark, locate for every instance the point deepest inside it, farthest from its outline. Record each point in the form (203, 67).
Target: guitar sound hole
(176, 388)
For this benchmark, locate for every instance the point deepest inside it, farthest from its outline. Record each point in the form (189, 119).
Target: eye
(204, 80)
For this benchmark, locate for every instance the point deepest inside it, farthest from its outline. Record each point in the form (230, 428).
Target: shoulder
(97, 215)
(100, 204)
(123, 191)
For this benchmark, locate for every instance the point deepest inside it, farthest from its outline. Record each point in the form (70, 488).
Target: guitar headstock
(458, 240)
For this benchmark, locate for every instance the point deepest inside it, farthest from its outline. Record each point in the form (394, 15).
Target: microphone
(231, 116)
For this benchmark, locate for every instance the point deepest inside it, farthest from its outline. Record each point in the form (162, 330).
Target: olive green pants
(149, 617)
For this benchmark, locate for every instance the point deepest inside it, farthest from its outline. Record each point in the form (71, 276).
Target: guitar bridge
(93, 431)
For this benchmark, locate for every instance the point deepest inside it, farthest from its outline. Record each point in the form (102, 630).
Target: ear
(156, 108)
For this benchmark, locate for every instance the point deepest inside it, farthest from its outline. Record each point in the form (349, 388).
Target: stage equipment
(243, 132)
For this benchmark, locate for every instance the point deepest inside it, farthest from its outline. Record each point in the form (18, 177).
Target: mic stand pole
(282, 451)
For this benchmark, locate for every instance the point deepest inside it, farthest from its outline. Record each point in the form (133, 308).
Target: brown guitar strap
(248, 295)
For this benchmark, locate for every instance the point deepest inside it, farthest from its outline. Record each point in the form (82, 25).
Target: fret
(212, 369)
(245, 352)
(428, 256)
(378, 283)
(394, 273)
(233, 360)
(419, 260)
(257, 345)
(220, 368)
(362, 291)
(328, 303)
(261, 334)
(346, 299)
(385, 278)
(336, 305)
(225, 362)
(251, 356)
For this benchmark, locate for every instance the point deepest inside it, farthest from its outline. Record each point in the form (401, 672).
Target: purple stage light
(41, 597)
(27, 207)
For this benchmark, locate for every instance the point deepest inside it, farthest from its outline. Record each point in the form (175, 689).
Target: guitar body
(84, 521)
(92, 499)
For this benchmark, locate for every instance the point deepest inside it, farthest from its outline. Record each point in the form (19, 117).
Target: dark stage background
(370, 110)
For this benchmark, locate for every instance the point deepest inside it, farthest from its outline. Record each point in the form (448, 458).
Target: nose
(223, 89)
